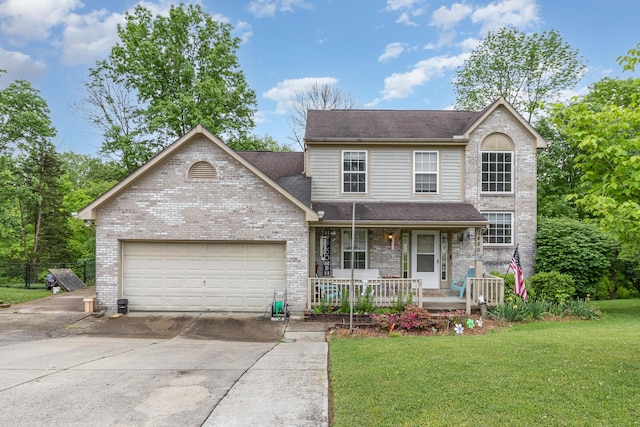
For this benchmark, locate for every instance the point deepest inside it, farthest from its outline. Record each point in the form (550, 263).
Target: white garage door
(185, 276)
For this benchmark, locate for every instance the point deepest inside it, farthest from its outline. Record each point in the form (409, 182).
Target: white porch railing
(490, 287)
(329, 291)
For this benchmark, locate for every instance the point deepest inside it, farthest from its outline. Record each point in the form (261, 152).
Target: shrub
(322, 308)
(365, 303)
(515, 310)
(583, 309)
(575, 248)
(399, 304)
(551, 286)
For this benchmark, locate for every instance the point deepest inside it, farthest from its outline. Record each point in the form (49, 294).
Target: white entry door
(425, 258)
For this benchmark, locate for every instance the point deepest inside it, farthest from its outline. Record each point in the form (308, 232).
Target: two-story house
(412, 196)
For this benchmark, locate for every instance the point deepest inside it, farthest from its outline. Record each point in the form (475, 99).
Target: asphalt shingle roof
(409, 212)
(326, 125)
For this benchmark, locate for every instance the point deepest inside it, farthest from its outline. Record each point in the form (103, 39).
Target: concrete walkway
(288, 386)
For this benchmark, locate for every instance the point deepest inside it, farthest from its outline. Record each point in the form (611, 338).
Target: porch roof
(453, 215)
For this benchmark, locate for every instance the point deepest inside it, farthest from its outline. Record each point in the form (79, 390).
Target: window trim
(489, 183)
(346, 239)
(343, 172)
(486, 231)
(415, 173)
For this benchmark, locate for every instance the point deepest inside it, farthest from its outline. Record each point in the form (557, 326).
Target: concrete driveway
(61, 366)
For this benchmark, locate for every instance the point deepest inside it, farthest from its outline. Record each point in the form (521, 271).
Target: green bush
(365, 303)
(399, 304)
(551, 286)
(575, 248)
(514, 310)
(582, 308)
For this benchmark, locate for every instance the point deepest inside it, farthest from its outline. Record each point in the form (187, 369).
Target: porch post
(312, 252)
(479, 254)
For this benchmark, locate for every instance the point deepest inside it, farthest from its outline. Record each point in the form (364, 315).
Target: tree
(558, 176)
(30, 189)
(315, 97)
(112, 108)
(259, 143)
(525, 70)
(85, 178)
(604, 128)
(183, 71)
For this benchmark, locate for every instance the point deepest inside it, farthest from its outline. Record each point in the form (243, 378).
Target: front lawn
(567, 373)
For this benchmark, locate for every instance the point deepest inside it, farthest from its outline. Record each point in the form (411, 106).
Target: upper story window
(425, 172)
(500, 230)
(497, 164)
(354, 171)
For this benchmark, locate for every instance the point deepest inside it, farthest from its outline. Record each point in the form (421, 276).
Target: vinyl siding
(390, 174)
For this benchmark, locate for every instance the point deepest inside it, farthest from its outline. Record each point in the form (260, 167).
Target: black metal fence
(34, 275)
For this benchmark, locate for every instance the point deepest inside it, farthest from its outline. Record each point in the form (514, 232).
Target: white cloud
(518, 13)
(401, 85)
(20, 66)
(404, 19)
(469, 44)
(393, 50)
(407, 8)
(261, 8)
(33, 20)
(446, 18)
(285, 91)
(394, 5)
(242, 29)
(90, 37)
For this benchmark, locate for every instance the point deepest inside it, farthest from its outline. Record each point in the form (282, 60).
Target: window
(425, 166)
(500, 228)
(354, 171)
(359, 249)
(497, 172)
(444, 256)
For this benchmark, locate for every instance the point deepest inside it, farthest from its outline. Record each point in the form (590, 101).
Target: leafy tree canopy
(524, 69)
(182, 70)
(604, 129)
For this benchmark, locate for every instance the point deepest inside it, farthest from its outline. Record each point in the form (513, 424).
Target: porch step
(446, 303)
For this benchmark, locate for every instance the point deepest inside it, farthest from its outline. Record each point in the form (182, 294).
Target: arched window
(497, 151)
(202, 170)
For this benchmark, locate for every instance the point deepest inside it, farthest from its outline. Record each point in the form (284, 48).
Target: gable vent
(203, 170)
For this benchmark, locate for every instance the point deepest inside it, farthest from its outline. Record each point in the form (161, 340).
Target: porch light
(390, 236)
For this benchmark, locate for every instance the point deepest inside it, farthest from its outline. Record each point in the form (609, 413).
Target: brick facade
(167, 205)
(522, 203)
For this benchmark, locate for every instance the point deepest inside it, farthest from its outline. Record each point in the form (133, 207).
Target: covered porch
(387, 292)
(410, 250)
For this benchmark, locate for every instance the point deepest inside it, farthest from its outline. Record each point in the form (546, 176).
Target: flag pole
(514, 254)
(353, 242)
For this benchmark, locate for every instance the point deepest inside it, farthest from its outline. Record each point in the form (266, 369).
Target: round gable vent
(202, 170)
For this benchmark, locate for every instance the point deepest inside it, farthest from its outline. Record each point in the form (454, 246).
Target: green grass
(572, 373)
(13, 295)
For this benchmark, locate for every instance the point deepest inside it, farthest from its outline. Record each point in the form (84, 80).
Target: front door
(425, 257)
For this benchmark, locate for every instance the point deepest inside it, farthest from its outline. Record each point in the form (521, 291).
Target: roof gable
(90, 211)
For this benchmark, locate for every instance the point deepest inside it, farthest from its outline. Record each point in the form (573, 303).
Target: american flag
(518, 286)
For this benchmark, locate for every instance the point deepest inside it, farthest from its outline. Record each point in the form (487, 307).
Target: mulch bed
(363, 326)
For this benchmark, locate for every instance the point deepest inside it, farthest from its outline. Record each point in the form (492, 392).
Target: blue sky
(388, 54)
